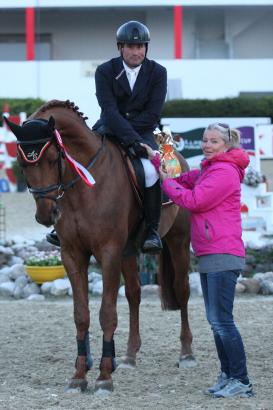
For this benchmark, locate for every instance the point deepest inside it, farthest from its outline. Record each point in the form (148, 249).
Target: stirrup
(52, 238)
(152, 244)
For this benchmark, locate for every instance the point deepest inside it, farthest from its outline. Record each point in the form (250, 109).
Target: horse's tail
(166, 280)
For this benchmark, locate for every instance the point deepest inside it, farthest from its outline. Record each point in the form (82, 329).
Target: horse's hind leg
(178, 246)
(133, 295)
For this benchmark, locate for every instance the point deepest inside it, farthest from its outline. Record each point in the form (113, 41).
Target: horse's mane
(62, 104)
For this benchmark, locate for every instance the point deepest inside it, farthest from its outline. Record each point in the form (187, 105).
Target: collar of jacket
(121, 78)
(237, 157)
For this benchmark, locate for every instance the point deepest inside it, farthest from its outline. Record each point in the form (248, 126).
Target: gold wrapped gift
(169, 161)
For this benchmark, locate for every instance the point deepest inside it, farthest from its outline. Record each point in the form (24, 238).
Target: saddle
(133, 166)
(135, 172)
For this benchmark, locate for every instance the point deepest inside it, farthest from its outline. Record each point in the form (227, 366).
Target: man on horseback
(131, 91)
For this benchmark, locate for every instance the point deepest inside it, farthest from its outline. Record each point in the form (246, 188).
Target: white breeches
(151, 175)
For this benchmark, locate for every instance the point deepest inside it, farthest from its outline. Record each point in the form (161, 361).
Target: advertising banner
(265, 141)
(188, 135)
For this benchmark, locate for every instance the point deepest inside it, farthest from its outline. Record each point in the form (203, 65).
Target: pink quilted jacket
(212, 195)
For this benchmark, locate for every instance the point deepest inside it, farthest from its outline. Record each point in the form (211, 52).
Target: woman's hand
(163, 174)
(151, 153)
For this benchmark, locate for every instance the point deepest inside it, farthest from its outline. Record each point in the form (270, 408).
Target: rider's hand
(150, 152)
(136, 150)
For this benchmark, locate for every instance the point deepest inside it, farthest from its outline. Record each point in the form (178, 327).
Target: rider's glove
(136, 150)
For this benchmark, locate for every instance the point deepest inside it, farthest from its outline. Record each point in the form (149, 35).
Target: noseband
(60, 187)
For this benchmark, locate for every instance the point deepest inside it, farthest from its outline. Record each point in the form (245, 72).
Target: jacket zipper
(207, 230)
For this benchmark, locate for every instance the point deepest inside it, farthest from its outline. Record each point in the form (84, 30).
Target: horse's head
(40, 158)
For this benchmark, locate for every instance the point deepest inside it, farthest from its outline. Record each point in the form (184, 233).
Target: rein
(41, 193)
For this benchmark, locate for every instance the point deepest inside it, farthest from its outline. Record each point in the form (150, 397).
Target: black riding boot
(152, 209)
(52, 238)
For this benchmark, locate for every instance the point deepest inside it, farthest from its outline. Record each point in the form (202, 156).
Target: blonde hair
(231, 136)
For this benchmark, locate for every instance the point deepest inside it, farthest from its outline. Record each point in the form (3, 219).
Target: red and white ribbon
(81, 170)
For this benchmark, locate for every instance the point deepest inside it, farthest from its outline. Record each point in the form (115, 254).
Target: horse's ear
(15, 129)
(51, 123)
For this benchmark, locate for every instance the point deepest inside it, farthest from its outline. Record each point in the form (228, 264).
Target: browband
(32, 142)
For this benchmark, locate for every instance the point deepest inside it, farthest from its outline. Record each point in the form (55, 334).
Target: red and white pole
(178, 31)
(30, 33)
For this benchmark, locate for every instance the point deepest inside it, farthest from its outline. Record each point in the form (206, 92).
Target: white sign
(265, 141)
(190, 145)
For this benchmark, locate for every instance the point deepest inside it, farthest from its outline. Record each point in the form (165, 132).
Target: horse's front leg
(111, 266)
(77, 273)
(133, 295)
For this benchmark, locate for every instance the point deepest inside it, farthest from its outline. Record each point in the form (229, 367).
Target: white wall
(117, 3)
(50, 80)
(83, 34)
(221, 78)
(71, 80)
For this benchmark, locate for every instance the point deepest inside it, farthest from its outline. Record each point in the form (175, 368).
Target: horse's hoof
(104, 387)
(127, 362)
(187, 362)
(76, 385)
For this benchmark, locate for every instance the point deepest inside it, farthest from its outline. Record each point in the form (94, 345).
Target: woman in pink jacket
(212, 195)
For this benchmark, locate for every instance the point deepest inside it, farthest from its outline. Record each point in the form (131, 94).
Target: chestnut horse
(98, 221)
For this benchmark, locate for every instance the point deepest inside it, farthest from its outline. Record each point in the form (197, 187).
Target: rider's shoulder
(109, 65)
(155, 66)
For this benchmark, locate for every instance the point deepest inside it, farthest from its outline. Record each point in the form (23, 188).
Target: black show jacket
(130, 115)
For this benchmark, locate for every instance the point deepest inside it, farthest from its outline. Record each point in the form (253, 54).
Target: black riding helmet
(133, 32)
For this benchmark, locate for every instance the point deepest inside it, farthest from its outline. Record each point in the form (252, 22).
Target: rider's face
(133, 54)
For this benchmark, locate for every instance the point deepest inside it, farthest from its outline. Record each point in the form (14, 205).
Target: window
(13, 47)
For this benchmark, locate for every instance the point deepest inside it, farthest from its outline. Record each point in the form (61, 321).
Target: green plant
(17, 171)
(222, 107)
(17, 105)
(44, 258)
(252, 177)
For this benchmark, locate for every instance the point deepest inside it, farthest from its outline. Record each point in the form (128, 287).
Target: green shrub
(17, 171)
(17, 105)
(225, 107)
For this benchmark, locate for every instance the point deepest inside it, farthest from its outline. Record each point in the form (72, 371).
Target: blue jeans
(218, 292)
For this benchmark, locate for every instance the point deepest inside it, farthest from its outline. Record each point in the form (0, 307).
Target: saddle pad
(140, 178)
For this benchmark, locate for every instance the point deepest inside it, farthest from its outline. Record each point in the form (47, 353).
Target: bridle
(60, 186)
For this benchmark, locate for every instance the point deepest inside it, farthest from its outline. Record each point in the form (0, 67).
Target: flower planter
(41, 274)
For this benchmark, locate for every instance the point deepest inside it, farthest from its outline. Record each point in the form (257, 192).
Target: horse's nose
(43, 221)
(47, 213)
